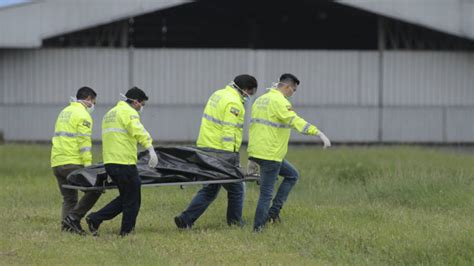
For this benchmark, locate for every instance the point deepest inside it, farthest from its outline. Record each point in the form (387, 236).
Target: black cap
(136, 94)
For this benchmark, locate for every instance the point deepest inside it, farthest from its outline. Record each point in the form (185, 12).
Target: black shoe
(274, 219)
(124, 233)
(73, 226)
(258, 229)
(93, 226)
(64, 228)
(236, 223)
(180, 223)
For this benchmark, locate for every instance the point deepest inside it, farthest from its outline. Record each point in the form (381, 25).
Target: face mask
(293, 95)
(125, 99)
(294, 91)
(245, 96)
(90, 106)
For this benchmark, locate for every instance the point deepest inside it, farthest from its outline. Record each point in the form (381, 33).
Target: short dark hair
(245, 82)
(85, 92)
(136, 94)
(287, 77)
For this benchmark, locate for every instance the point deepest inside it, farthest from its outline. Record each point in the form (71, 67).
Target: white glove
(253, 169)
(326, 141)
(153, 162)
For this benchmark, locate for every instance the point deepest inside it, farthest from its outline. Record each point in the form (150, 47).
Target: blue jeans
(205, 196)
(269, 172)
(128, 202)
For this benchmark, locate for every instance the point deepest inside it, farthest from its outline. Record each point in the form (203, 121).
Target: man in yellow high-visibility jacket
(121, 132)
(71, 151)
(221, 135)
(273, 118)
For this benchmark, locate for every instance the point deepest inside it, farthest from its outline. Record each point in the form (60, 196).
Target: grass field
(390, 205)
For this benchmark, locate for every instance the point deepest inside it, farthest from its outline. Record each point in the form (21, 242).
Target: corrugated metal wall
(50, 76)
(429, 79)
(428, 96)
(186, 77)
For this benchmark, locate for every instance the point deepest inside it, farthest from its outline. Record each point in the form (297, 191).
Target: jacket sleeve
(285, 113)
(231, 126)
(136, 129)
(84, 132)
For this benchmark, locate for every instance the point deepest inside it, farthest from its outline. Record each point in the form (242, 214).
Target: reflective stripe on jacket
(222, 122)
(72, 137)
(121, 132)
(270, 127)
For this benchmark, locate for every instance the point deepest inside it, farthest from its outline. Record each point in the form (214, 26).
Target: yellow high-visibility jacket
(121, 131)
(270, 128)
(72, 137)
(222, 121)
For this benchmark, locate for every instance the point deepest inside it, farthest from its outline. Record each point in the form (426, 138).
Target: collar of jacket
(275, 90)
(124, 103)
(236, 92)
(77, 104)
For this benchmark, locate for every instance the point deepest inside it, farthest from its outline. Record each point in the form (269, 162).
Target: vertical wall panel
(460, 124)
(2, 78)
(368, 78)
(327, 77)
(28, 122)
(168, 123)
(341, 124)
(186, 76)
(2, 119)
(413, 124)
(428, 78)
(50, 76)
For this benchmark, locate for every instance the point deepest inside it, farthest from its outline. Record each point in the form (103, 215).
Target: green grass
(391, 205)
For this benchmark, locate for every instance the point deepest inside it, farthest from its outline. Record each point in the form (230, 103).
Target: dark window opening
(278, 24)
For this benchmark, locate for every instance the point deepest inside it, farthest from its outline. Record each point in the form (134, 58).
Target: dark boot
(73, 226)
(93, 226)
(181, 224)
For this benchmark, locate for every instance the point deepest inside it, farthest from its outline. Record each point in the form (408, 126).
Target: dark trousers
(128, 202)
(269, 172)
(205, 196)
(71, 206)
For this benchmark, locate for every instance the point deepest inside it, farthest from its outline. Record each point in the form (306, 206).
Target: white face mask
(294, 91)
(292, 95)
(245, 96)
(90, 106)
(125, 99)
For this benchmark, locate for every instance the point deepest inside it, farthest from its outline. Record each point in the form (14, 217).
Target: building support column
(381, 49)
